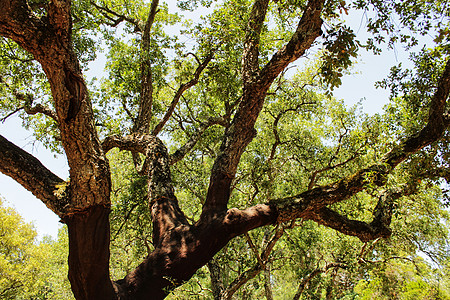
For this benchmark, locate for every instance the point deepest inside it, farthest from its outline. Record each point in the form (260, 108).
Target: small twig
(124, 221)
(180, 92)
(105, 11)
(255, 251)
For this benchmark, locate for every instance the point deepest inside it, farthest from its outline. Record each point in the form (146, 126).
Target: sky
(356, 86)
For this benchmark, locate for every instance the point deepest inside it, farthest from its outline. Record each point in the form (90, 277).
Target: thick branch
(364, 231)
(250, 56)
(155, 155)
(379, 227)
(41, 109)
(438, 122)
(146, 95)
(38, 108)
(241, 131)
(184, 87)
(32, 175)
(166, 213)
(18, 23)
(215, 274)
(308, 29)
(59, 17)
(49, 41)
(134, 142)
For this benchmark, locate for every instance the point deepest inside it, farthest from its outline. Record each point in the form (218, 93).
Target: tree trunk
(181, 248)
(180, 253)
(267, 284)
(89, 254)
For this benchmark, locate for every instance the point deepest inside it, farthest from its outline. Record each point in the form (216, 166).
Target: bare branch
(383, 261)
(190, 144)
(277, 119)
(184, 87)
(262, 261)
(279, 231)
(38, 108)
(10, 114)
(127, 111)
(106, 12)
(255, 251)
(242, 279)
(331, 167)
(127, 216)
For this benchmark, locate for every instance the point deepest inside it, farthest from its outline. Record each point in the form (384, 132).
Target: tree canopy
(202, 146)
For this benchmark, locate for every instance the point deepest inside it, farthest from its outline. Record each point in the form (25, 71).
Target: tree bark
(87, 193)
(89, 239)
(32, 175)
(217, 285)
(241, 131)
(181, 248)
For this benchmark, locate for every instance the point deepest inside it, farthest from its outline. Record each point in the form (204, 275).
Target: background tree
(20, 257)
(23, 275)
(241, 131)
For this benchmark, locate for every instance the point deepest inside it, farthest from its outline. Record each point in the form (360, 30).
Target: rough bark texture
(146, 96)
(215, 274)
(180, 247)
(32, 175)
(49, 40)
(241, 131)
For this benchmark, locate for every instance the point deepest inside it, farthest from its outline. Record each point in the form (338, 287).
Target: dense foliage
(188, 81)
(30, 269)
